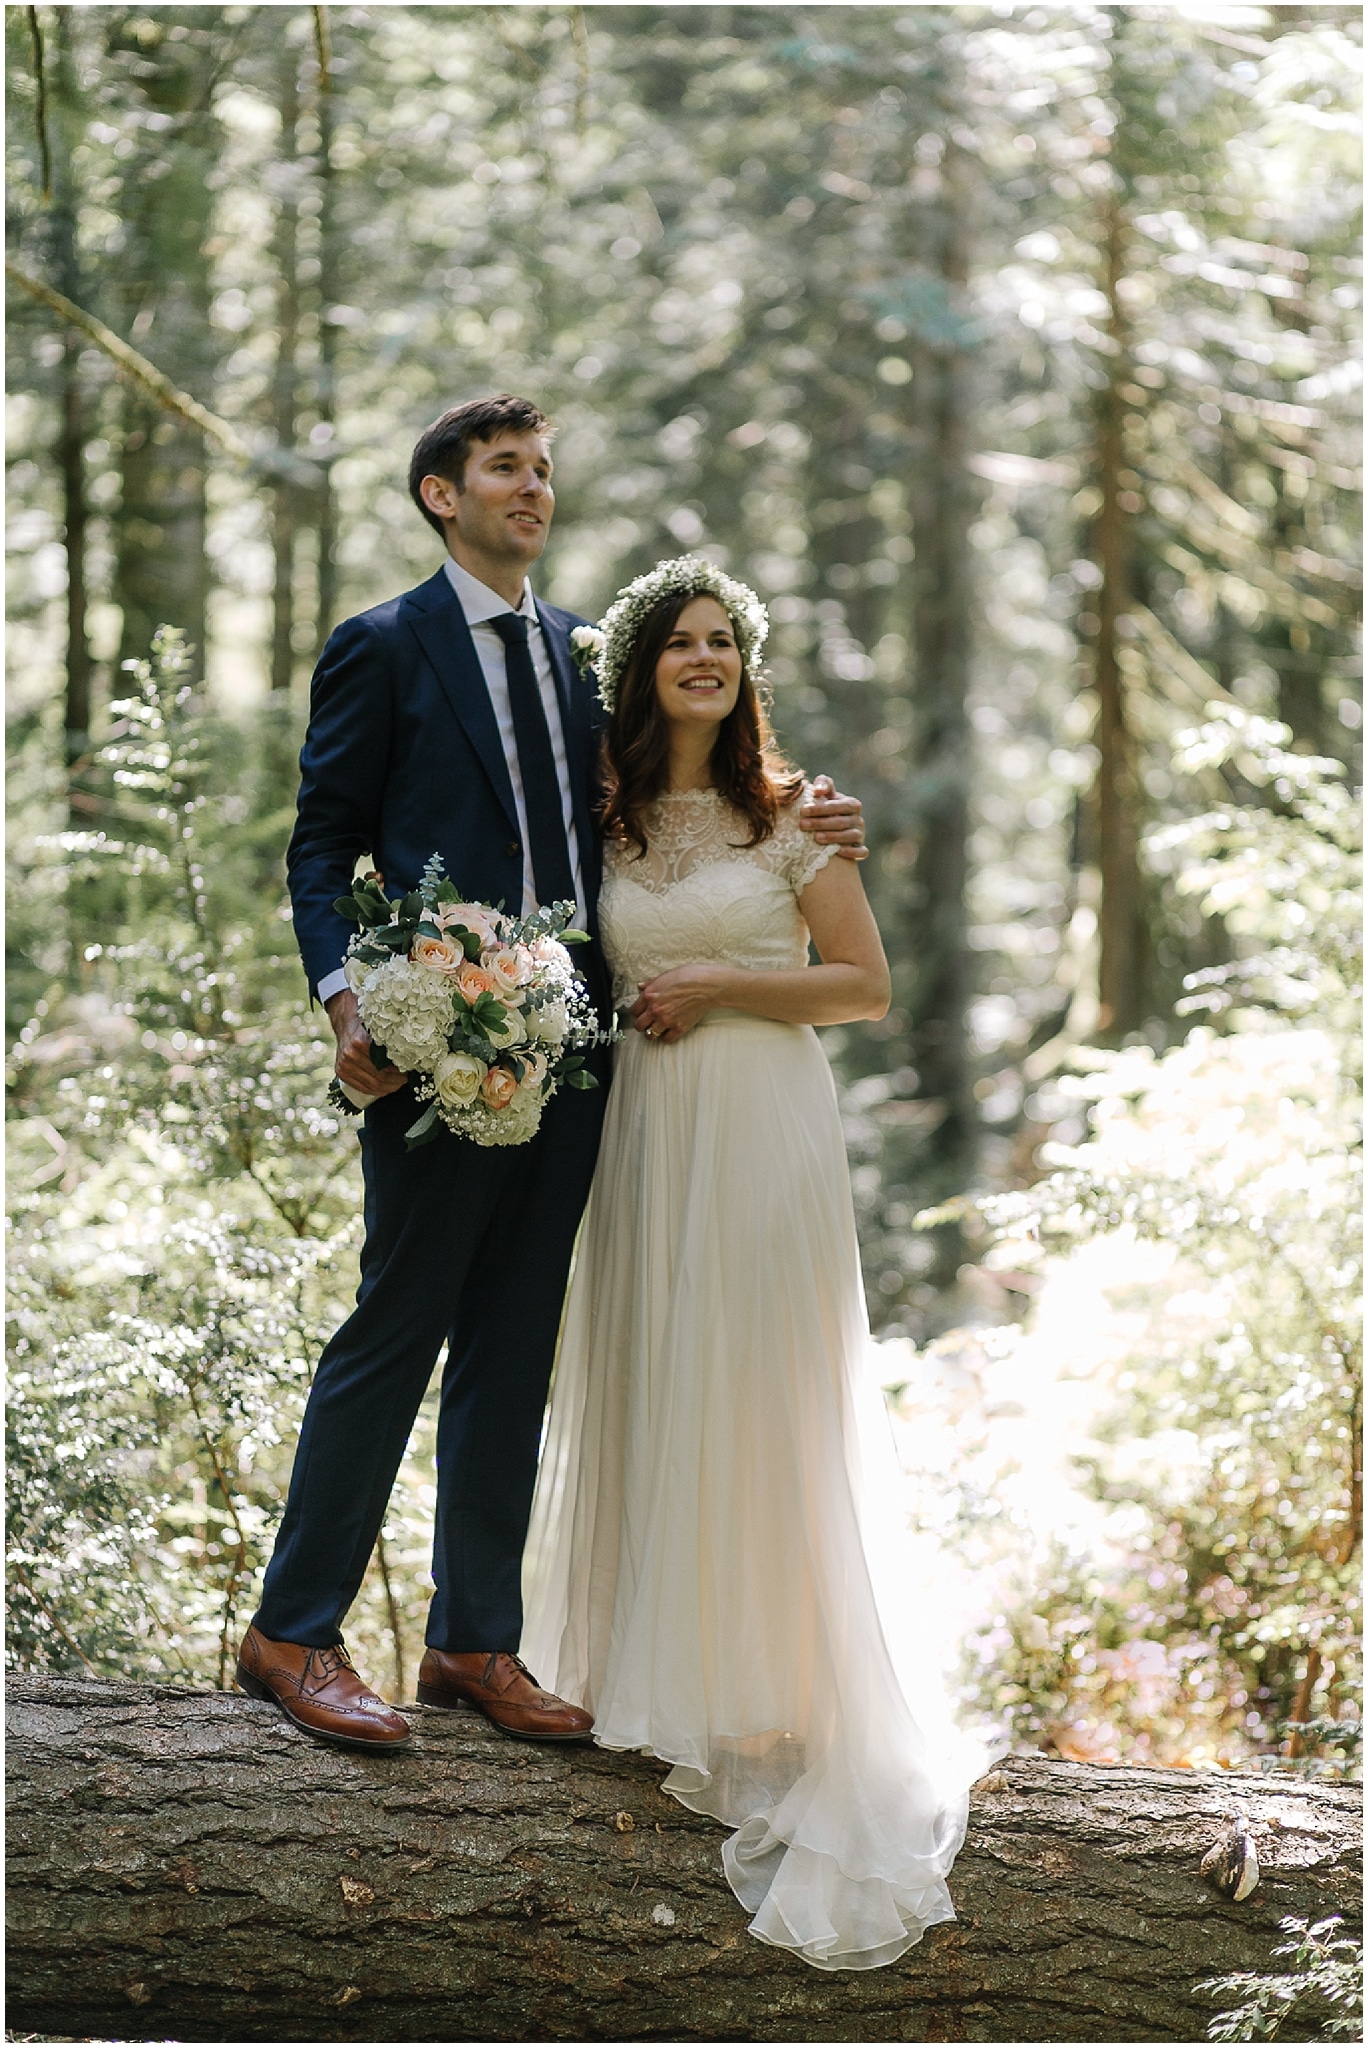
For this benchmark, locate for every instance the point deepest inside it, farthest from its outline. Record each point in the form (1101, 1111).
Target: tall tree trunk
(66, 272)
(161, 574)
(941, 508)
(1121, 972)
(190, 1866)
(284, 387)
(326, 402)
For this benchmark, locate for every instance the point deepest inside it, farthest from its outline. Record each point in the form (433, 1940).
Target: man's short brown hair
(444, 448)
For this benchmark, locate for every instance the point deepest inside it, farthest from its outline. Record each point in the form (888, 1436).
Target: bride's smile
(698, 676)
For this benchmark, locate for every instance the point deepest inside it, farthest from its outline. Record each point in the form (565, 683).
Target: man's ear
(439, 494)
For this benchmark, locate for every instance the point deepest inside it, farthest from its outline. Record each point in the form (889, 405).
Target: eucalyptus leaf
(424, 1131)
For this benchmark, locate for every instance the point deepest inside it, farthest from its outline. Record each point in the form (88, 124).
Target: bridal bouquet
(484, 1010)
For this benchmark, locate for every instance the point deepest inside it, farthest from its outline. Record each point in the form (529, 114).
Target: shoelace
(325, 1663)
(488, 1677)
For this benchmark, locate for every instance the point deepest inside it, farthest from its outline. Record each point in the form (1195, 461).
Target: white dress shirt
(481, 604)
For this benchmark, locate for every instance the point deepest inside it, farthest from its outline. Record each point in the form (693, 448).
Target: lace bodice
(699, 893)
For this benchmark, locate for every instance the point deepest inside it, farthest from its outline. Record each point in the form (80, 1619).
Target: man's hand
(835, 820)
(354, 1065)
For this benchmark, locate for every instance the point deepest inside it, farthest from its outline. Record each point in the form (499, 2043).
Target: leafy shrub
(185, 1216)
(1233, 1591)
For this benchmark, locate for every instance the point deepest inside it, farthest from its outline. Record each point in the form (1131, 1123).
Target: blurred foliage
(825, 293)
(1232, 1453)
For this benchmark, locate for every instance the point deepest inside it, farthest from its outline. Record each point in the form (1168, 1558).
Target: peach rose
(468, 915)
(534, 1069)
(439, 954)
(499, 1087)
(474, 981)
(511, 967)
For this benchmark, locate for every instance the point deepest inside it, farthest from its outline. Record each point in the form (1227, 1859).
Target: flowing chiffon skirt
(698, 1571)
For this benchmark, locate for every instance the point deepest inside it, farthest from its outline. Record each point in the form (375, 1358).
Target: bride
(698, 1572)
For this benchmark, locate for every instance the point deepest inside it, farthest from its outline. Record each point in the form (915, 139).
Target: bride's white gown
(696, 1569)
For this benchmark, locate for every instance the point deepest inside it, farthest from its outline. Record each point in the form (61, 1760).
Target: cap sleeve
(803, 857)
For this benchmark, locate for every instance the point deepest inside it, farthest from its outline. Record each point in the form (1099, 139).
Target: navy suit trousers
(470, 1247)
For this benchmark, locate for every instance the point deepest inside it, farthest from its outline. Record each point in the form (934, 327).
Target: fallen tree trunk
(189, 1866)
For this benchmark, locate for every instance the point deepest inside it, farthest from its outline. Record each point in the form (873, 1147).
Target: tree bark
(939, 494)
(328, 293)
(190, 1866)
(1121, 970)
(162, 571)
(284, 389)
(59, 118)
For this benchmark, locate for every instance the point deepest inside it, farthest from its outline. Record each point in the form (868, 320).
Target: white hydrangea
(407, 1010)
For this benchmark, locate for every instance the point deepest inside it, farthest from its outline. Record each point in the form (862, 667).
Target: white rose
(457, 1079)
(511, 1032)
(356, 971)
(550, 1023)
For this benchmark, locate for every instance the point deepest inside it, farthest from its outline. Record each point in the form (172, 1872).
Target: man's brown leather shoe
(320, 1691)
(504, 1690)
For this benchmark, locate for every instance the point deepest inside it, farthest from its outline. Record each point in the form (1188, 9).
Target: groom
(451, 719)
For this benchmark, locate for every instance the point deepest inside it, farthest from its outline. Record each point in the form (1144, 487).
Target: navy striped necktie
(552, 875)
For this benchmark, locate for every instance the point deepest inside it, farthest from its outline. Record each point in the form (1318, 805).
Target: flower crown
(607, 647)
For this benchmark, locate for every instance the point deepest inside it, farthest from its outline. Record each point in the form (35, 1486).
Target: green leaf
(470, 943)
(424, 1131)
(571, 937)
(447, 892)
(348, 907)
(580, 1081)
(489, 1010)
(411, 907)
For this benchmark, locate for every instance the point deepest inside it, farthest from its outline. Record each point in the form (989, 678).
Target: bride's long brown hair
(747, 766)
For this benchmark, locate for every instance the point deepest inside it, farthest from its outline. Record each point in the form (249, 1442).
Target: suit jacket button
(513, 847)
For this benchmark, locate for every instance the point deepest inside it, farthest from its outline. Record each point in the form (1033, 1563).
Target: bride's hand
(675, 1001)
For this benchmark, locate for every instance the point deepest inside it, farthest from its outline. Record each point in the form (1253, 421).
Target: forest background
(1012, 353)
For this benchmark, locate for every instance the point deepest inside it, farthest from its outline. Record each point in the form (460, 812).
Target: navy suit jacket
(403, 759)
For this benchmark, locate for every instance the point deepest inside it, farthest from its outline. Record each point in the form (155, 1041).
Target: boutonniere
(586, 644)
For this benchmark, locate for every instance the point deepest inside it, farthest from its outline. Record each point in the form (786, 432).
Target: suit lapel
(435, 615)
